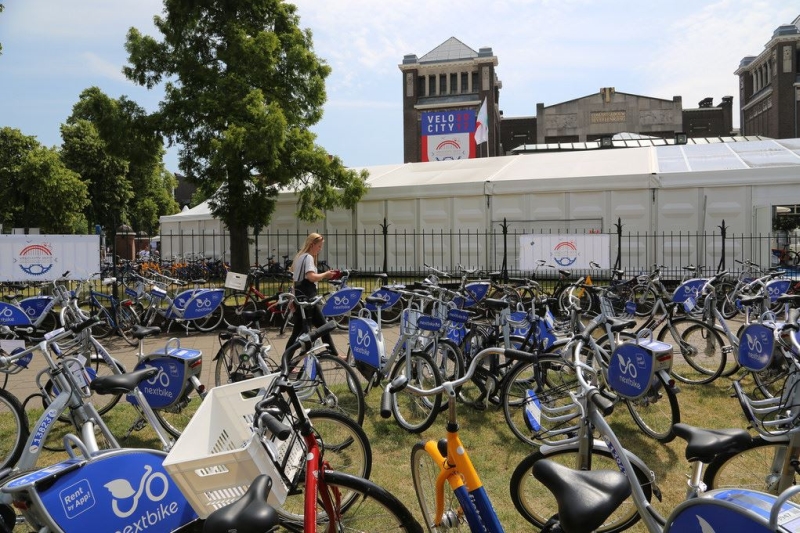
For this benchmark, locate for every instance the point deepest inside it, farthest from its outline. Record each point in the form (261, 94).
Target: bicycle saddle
(121, 383)
(585, 498)
(139, 332)
(249, 514)
(703, 444)
(496, 305)
(258, 314)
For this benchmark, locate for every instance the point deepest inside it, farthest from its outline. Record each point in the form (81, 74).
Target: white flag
(481, 128)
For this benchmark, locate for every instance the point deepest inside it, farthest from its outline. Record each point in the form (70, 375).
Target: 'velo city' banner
(48, 257)
(563, 251)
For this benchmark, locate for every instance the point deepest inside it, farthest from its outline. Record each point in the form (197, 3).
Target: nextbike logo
(565, 253)
(36, 259)
(203, 303)
(153, 485)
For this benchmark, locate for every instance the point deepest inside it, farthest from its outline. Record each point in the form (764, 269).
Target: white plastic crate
(237, 282)
(217, 456)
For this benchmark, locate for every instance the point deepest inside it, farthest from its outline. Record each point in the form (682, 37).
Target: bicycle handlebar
(401, 382)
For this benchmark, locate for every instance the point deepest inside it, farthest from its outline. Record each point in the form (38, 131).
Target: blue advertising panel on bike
(389, 296)
(429, 323)
(689, 289)
(196, 303)
(118, 492)
(630, 370)
(756, 346)
(777, 287)
(11, 315)
(342, 302)
(366, 341)
(165, 388)
(36, 305)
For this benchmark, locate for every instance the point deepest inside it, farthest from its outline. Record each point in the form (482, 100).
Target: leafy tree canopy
(113, 145)
(36, 189)
(242, 87)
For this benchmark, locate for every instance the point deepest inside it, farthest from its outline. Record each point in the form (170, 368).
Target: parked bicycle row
(448, 352)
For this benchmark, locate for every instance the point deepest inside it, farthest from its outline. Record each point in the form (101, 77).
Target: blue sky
(549, 51)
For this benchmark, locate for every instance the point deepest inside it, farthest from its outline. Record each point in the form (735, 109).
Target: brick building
(769, 86)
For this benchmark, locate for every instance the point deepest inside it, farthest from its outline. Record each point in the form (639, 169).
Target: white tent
(673, 188)
(191, 231)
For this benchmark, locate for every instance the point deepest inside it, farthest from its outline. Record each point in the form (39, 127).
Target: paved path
(23, 384)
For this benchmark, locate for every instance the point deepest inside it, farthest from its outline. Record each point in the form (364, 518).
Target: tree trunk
(240, 249)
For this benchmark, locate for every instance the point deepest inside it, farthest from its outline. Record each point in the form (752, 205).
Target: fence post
(723, 230)
(385, 230)
(504, 267)
(618, 262)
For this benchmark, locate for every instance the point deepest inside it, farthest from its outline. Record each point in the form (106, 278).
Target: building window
(431, 85)
(442, 84)
(453, 83)
(475, 84)
(420, 86)
(464, 83)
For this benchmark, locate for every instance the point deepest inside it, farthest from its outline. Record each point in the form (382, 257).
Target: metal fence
(405, 253)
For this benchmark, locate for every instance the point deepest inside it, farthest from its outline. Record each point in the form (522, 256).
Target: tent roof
(600, 169)
(201, 211)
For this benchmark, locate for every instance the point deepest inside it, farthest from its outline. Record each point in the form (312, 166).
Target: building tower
(442, 96)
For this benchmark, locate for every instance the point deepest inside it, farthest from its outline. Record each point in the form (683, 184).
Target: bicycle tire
(751, 468)
(343, 320)
(652, 414)
(345, 447)
(537, 505)
(126, 320)
(771, 380)
(474, 392)
(540, 387)
(645, 298)
(102, 329)
(370, 509)
(232, 313)
(229, 368)
(95, 366)
(424, 472)
(416, 413)
(49, 323)
(328, 382)
(209, 322)
(175, 418)
(14, 430)
(726, 299)
(448, 357)
(391, 315)
(698, 357)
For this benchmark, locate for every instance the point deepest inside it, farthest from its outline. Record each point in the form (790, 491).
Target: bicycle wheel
(645, 298)
(726, 299)
(537, 505)
(126, 319)
(416, 413)
(343, 321)
(95, 366)
(391, 315)
(102, 329)
(697, 350)
(175, 418)
(13, 429)
(231, 369)
(326, 381)
(474, 393)
(536, 402)
(448, 358)
(209, 322)
(424, 472)
(770, 381)
(49, 322)
(370, 509)
(345, 447)
(757, 467)
(657, 412)
(233, 307)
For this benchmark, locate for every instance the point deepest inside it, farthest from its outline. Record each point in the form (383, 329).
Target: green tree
(242, 87)
(137, 194)
(84, 152)
(36, 189)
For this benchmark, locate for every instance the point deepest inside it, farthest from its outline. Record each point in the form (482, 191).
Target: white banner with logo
(48, 257)
(563, 251)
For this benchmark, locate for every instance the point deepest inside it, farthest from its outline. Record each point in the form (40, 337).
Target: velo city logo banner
(448, 135)
(48, 257)
(563, 251)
